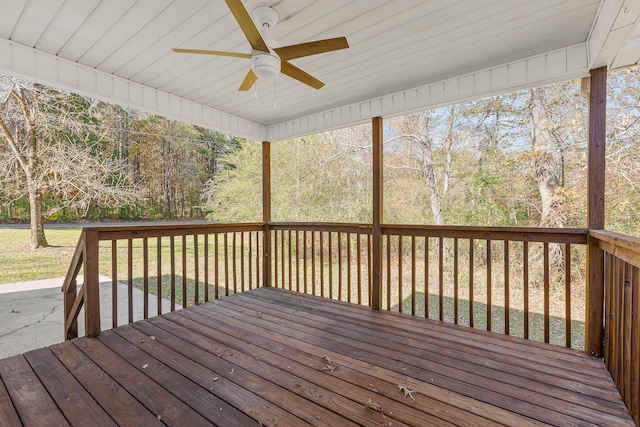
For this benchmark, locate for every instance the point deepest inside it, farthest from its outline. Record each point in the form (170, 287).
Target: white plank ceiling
(405, 54)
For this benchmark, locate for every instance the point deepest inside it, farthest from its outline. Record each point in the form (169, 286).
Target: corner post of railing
(594, 334)
(91, 284)
(266, 213)
(376, 286)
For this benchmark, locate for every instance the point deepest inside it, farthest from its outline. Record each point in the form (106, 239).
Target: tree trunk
(38, 239)
(431, 181)
(546, 167)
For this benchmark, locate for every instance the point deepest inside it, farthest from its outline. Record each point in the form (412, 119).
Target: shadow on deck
(273, 357)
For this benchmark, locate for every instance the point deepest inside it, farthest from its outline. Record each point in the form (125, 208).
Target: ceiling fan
(266, 62)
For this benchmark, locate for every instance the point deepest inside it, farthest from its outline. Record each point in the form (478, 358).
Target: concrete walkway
(31, 313)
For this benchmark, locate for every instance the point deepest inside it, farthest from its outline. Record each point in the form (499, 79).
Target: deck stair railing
(170, 265)
(622, 320)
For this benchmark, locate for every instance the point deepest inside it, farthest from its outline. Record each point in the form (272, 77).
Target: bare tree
(50, 140)
(546, 161)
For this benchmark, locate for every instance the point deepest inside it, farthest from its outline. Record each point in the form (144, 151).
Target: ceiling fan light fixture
(266, 65)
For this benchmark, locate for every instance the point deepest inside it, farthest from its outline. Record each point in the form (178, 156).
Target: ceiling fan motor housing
(266, 65)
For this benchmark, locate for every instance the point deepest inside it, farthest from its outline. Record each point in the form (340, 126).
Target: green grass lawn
(20, 263)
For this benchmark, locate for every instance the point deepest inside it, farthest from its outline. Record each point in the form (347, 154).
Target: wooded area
(512, 160)
(516, 160)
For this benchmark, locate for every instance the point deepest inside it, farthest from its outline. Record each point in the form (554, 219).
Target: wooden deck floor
(276, 358)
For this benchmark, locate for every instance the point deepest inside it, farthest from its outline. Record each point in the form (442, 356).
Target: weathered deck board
(279, 358)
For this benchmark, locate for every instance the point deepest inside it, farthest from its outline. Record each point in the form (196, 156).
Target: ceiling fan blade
(248, 81)
(213, 52)
(296, 73)
(311, 48)
(247, 25)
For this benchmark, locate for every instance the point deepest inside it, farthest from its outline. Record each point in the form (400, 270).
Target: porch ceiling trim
(44, 68)
(559, 65)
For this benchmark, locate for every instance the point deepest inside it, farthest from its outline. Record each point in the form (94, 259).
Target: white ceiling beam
(559, 65)
(34, 65)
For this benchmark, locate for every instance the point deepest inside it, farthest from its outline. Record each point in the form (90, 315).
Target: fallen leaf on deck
(159, 417)
(215, 378)
(407, 392)
(257, 358)
(145, 366)
(141, 341)
(152, 337)
(329, 367)
(231, 372)
(373, 406)
(259, 315)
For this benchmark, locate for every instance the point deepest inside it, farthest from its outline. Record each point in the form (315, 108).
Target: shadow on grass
(190, 286)
(516, 319)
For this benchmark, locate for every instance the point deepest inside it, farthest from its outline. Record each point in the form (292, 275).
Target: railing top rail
(141, 230)
(76, 264)
(622, 246)
(528, 234)
(322, 226)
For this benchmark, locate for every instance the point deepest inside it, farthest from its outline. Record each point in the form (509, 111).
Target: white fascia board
(555, 66)
(41, 67)
(613, 27)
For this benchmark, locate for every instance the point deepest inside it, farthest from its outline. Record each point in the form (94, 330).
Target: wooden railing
(156, 268)
(329, 260)
(622, 320)
(510, 280)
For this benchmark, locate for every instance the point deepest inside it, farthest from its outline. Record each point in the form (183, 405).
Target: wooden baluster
(400, 298)
(525, 284)
(489, 286)
(172, 251)
(507, 308)
(471, 296)
(297, 261)
(455, 282)
(370, 267)
(196, 266)
(234, 264)
(216, 266)
(546, 291)
(304, 256)
(242, 261)
(266, 230)
(567, 287)
(226, 264)
(313, 262)
(206, 267)
(114, 283)
(283, 258)
(388, 272)
(250, 260)
(441, 278)
(413, 275)
(130, 279)
(330, 266)
(339, 266)
(159, 274)
(322, 264)
(275, 257)
(145, 277)
(359, 266)
(349, 267)
(290, 264)
(426, 277)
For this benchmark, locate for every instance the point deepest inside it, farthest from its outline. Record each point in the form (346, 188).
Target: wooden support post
(266, 213)
(376, 288)
(594, 333)
(91, 284)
